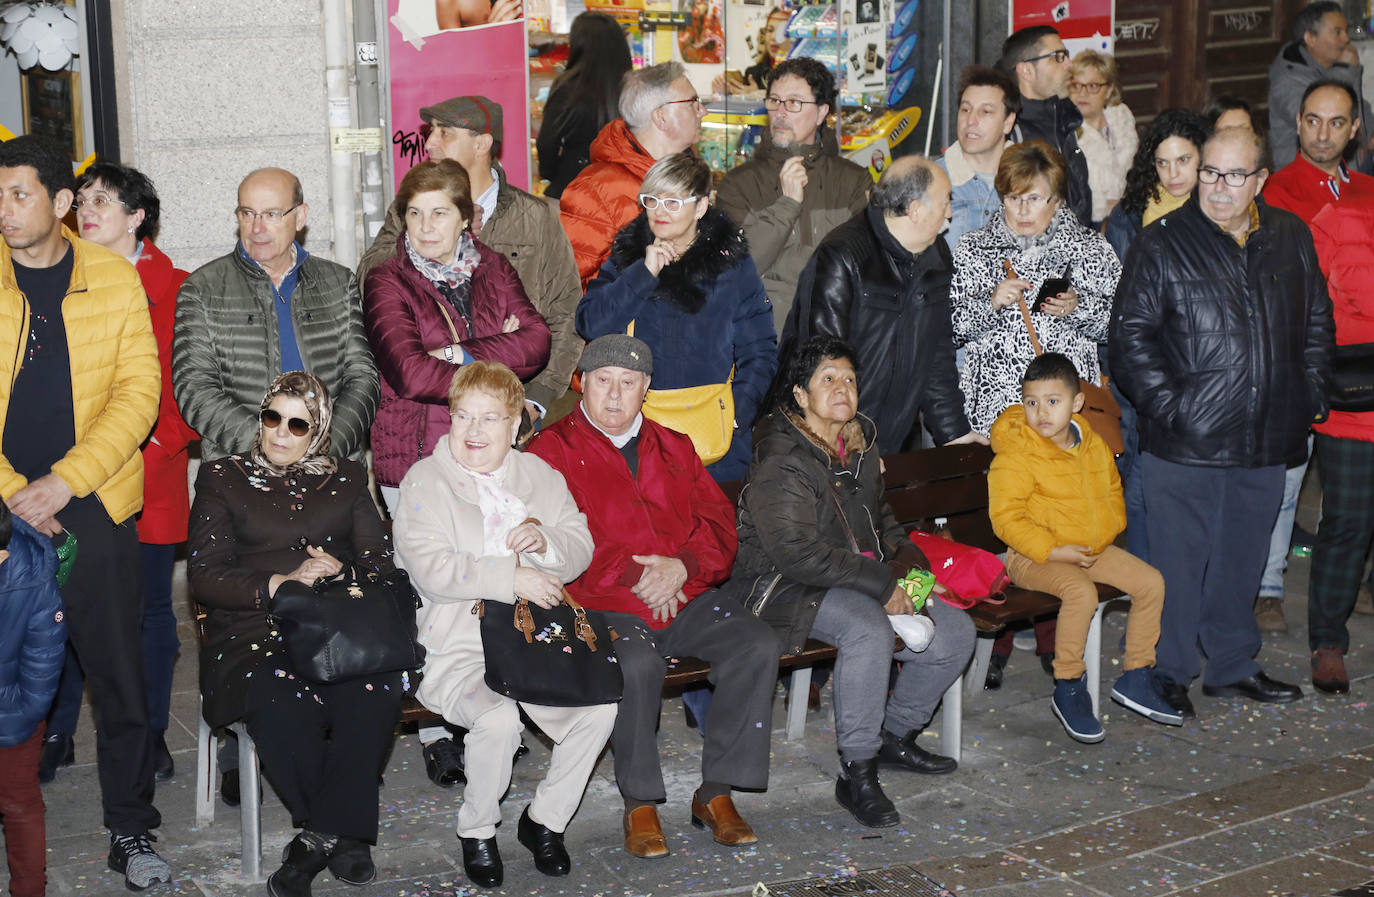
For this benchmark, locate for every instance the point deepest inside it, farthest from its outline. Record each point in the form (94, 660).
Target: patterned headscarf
(310, 390)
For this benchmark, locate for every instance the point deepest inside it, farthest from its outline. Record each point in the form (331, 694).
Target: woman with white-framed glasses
(681, 277)
(1037, 251)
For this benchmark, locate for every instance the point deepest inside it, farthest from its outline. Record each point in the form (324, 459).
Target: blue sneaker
(1074, 709)
(1139, 690)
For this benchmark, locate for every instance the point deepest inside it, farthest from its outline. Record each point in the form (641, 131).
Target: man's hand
(668, 609)
(533, 410)
(662, 579)
(793, 178)
(969, 438)
(1073, 554)
(37, 502)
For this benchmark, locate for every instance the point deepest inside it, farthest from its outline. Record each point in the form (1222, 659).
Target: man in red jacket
(665, 535)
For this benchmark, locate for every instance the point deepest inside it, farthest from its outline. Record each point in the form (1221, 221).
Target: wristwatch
(448, 353)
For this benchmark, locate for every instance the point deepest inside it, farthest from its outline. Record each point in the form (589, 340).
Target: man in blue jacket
(33, 640)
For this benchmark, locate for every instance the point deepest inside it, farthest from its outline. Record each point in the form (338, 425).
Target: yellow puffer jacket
(116, 380)
(1041, 496)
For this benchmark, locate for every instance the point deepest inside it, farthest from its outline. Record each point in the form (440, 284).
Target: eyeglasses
(669, 203)
(772, 103)
(1086, 86)
(695, 101)
(1031, 201)
(99, 202)
(1057, 55)
(485, 422)
(271, 216)
(1209, 175)
(271, 419)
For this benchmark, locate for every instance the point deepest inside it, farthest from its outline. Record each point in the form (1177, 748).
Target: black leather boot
(905, 753)
(482, 862)
(858, 791)
(550, 856)
(304, 857)
(351, 862)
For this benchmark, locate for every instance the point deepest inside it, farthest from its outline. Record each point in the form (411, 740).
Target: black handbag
(347, 626)
(560, 657)
(1351, 384)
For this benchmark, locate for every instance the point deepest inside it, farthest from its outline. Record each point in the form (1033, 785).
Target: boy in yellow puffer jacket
(1054, 498)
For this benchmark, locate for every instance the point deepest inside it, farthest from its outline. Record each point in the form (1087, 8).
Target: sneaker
(1269, 616)
(1136, 690)
(134, 856)
(1074, 709)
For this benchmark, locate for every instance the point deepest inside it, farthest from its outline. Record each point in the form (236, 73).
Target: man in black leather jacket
(1221, 337)
(880, 282)
(1036, 58)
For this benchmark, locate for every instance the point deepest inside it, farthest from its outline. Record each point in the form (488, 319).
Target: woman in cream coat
(477, 521)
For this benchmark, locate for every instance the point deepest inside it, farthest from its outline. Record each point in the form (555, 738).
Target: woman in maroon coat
(118, 208)
(442, 300)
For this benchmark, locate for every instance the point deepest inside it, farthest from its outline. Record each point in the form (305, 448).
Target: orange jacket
(1041, 496)
(604, 197)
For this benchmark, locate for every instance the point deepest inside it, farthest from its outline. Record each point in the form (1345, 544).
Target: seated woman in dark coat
(814, 490)
(289, 511)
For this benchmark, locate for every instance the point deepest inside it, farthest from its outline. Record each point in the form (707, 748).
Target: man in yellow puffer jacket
(79, 389)
(1054, 497)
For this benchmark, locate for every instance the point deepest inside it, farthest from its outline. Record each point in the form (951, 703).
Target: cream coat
(438, 532)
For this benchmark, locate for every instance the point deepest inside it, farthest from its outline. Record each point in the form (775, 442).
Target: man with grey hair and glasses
(880, 282)
(660, 114)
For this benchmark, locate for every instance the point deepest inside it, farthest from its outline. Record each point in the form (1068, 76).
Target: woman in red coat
(117, 207)
(442, 300)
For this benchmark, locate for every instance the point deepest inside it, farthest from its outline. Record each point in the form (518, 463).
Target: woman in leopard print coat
(1041, 238)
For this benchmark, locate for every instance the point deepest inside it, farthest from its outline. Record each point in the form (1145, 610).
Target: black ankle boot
(304, 857)
(351, 862)
(482, 862)
(905, 753)
(858, 791)
(550, 855)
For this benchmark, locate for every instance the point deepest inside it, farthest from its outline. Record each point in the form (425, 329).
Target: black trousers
(104, 605)
(743, 653)
(322, 746)
(1347, 470)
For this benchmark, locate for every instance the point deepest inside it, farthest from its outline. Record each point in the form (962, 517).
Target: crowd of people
(784, 338)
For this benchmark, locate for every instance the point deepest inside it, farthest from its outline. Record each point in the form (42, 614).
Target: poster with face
(703, 38)
(428, 64)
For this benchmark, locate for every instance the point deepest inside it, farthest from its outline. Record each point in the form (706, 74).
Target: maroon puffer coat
(404, 323)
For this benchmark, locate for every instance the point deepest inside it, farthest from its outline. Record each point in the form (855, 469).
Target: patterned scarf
(454, 276)
(502, 511)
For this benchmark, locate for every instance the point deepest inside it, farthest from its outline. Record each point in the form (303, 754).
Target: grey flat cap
(617, 350)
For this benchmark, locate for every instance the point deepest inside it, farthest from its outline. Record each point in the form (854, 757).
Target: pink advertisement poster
(441, 48)
(1076, 20)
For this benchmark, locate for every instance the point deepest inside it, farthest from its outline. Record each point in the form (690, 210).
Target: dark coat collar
(720, 245)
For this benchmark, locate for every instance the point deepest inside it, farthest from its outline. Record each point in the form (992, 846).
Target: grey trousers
(857, 626)
(743, 654)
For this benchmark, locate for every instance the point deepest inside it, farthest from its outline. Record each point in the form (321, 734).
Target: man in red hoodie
(665, 536)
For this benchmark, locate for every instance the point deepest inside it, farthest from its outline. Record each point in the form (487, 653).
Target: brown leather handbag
(1100, 409)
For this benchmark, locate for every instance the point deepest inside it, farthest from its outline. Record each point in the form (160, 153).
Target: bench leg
(1092, 659)
(952, 719)
(977, 672)
(207, 772)
(250, 810)
(796, 704)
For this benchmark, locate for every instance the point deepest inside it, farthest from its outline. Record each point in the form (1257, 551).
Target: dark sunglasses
(271, 419)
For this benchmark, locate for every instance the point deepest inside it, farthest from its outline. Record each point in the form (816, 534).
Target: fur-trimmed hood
(720, 245)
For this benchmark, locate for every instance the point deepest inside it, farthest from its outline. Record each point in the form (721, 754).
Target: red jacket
(604, 197)
(166, 498)
(401, 308)
(672, 508)
(1301, 188)
(1344, 236)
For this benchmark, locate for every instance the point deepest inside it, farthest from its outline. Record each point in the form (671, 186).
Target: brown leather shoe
(1269, 616)
(643, 835)
(1328, 670)
(726, 825)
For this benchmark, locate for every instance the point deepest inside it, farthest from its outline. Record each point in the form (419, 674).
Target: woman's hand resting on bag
(543, 589)
(318, 565)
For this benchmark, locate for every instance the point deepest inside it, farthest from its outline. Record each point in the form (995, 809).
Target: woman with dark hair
(1162, 176)
(681, 278)
(118, 208)
(1228, 111)
(820, 556)
(288, 511)
(583, 99)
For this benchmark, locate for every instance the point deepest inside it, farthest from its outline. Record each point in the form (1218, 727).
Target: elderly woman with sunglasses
(288, 511)
(680, 278)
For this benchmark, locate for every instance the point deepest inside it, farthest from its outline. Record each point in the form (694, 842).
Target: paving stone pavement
(1248, 800)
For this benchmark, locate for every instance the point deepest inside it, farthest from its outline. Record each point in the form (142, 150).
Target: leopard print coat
(998, 347)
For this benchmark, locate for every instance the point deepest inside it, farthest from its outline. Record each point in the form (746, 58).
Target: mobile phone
(1052, 287)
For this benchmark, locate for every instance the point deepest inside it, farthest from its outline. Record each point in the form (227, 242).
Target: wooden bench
(952, 482)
